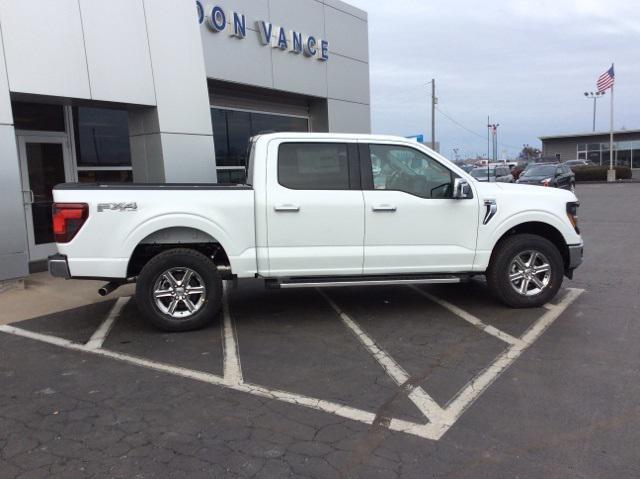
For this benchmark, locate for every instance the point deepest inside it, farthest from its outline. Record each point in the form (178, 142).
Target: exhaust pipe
(109, 288)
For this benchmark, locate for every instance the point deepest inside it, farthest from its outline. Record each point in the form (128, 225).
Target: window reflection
(626, 153)
(232, 130)
(102, 137)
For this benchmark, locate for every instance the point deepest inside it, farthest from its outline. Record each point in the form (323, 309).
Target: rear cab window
(317, 166)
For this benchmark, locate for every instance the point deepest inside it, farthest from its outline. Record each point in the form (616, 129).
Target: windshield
(540, 170)
(482, 172)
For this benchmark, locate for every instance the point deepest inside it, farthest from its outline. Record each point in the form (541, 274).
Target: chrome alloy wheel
(530, 273)
(179, 292)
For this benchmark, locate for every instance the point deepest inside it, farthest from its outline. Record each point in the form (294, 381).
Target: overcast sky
(525, 63)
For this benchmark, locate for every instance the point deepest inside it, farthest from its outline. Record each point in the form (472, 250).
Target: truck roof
(337, 136)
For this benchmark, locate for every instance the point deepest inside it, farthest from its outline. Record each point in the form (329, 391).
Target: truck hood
(529, 192)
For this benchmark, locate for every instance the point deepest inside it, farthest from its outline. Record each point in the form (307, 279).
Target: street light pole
(488, 134)
(594, 96)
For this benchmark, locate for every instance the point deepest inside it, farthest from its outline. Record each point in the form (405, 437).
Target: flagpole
(611, 176)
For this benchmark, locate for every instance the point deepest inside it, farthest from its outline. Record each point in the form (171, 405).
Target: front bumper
(58, 266)
(576, 253)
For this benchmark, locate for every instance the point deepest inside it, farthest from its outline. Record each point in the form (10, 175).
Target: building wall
(567, 147)
(13, 232)
(134, 52)
(343, 80)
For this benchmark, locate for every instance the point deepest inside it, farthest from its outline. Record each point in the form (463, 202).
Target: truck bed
(125, 216)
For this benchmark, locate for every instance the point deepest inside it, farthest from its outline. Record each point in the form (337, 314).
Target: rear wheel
(179, 290)
(526, 271)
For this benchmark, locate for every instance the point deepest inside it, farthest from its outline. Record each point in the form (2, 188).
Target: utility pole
(434, 102)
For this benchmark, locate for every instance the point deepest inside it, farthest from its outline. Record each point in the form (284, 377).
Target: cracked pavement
(568, 407)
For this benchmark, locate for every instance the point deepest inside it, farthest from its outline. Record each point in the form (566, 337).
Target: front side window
(313, 166)
(401, 168)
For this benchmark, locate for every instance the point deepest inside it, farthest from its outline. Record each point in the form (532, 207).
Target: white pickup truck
(317, 210)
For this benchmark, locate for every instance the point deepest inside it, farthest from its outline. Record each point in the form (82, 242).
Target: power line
(452, 120)
(469, 130)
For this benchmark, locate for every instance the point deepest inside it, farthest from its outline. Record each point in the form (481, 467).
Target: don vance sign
(233, 23)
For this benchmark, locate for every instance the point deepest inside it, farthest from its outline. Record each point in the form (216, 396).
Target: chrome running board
(290, 283)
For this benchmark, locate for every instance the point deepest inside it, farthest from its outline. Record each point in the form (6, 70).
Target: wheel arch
(539, 228)
(172, 237)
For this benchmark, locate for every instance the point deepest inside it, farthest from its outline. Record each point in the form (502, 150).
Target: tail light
(68, 218)
(572, 213)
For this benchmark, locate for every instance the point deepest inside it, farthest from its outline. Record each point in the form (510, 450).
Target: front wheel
(179, 290)
(526, 271)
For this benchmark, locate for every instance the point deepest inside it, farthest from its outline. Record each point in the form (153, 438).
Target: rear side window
(313, 166)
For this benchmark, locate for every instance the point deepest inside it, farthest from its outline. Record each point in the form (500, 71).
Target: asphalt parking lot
(432, 381)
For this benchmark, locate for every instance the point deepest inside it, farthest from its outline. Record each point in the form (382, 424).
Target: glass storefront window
(231, 176)
(38, 117)
(636, 158)
(232, 130)
(105, 176)
(593, 147)
(623, 158)
(102, 137)
(102, 145)
(594, 157)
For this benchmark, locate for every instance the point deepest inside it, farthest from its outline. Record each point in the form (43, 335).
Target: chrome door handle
(388, 208)
(287, 208)
(32, 197)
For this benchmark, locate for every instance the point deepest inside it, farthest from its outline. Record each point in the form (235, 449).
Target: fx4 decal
(121, 207)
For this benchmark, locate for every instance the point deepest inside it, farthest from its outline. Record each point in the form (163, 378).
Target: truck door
(315, 209)
(412, 223)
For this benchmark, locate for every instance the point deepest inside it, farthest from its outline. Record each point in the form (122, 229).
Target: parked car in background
(573, 163)
(554, 175)
(493, 173)
(520, 167)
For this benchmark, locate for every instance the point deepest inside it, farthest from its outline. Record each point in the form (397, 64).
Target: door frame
(40, 251)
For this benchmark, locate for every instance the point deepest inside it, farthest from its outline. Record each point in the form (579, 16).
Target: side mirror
(461, 189)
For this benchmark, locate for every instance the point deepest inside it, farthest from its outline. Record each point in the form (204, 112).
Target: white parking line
(441, 419)
(99, 337)
(232, 368)
(472, 391)
(427, 405)
(322, 405)
(507, 338)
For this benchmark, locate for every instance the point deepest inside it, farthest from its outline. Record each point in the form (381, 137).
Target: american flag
(606, 80)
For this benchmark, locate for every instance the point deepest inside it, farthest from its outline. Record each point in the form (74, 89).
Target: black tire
(208, 303)
(506, 252)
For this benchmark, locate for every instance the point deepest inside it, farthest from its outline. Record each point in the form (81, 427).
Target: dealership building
(595, 148)
(161, 91)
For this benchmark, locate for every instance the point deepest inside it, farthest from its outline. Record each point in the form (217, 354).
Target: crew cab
(317, 210)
